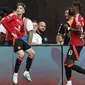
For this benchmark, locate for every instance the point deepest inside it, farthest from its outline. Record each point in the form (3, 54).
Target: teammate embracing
(77, 43)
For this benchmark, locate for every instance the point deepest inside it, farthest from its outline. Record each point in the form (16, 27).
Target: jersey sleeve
(29, 25)
(79, 21)
(7, 20)
(61, 29)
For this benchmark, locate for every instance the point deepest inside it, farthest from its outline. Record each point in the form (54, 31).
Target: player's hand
(14, 35)
(65, 26)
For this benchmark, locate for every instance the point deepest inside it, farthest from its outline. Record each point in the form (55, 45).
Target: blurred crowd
(36, 30)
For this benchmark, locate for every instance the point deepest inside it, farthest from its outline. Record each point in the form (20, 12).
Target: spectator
(36, 37)
(41, 31)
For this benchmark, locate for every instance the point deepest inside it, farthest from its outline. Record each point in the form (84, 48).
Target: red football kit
(78, 23)
(13, 24)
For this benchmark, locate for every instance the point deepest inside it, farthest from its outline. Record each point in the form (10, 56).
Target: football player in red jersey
(14, 24)
(73, 53)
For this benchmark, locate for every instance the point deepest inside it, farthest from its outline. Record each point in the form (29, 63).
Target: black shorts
(21, 45)
(73, 53)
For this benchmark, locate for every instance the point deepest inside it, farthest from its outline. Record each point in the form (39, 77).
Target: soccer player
(41, 31)
(13, 23)
(62, 37)
(76, 39)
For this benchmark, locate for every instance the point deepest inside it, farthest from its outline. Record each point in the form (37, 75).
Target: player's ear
(24, 11)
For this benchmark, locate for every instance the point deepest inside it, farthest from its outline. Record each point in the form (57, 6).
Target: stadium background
(51, 11)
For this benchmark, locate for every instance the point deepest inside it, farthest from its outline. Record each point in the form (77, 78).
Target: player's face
(35, 26)
(42, 26)
(20, 10)
(67, 14)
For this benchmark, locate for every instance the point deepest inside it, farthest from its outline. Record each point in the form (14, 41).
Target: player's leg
(29, 60)
(18, 49)
(31, 54)
(17, 66)
(68, 72)
(76, 67)
(69, 62)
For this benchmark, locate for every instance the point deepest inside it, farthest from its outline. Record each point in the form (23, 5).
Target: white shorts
(2, 29)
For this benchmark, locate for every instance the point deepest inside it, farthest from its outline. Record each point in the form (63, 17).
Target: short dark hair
(21, 4)
(77, 4)
(34, 21)
(71, 12)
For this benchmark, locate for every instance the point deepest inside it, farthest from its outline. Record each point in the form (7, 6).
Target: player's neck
(20, 16)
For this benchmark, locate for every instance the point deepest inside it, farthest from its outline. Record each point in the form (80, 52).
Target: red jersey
(78, 23)
(13, 24)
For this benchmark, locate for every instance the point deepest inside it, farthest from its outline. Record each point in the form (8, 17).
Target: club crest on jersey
(19, 21)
